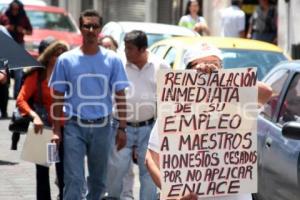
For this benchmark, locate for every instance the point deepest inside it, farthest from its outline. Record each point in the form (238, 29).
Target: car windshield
(152, 38)
(263, 60)
(49, 20)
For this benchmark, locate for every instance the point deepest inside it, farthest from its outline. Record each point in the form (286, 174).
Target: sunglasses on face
(89, 26)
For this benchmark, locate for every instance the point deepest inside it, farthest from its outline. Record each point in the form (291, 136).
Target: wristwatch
(124, 129)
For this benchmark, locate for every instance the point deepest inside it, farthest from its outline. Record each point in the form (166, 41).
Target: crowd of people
(104, 108)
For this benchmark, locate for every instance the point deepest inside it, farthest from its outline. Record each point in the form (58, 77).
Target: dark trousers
(43, 191)
(3, 99)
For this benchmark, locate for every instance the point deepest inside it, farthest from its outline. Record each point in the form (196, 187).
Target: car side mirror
(291, 130)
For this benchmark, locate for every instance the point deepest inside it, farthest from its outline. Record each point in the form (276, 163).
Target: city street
(17, 176)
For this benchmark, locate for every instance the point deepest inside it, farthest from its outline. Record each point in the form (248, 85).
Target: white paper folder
(35, 146)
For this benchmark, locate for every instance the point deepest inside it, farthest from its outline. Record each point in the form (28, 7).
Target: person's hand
(201, 28)
(20, 29)
(120, 139)
(3, 77)
(10, 27)
(249, 35)
(56, 137)
(38, 124)
(190, 196)
(206, 68)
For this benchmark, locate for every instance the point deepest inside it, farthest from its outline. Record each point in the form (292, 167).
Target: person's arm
(250, 27)
(25, 28)
(58, 100)
(27, 91)
(264, 93)
(121, 109)
(3, 76)
(202, 27)
(152, 164)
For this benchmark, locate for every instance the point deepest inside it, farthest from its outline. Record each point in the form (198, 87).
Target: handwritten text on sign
(207, 129)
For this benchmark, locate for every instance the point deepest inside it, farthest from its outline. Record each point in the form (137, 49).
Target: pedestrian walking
(193, 20)
(141, 68)
(233, 20)
(206, 58)
(263, 23)
(109, 42)
(18, 25)
(35, 90)
(84, 80)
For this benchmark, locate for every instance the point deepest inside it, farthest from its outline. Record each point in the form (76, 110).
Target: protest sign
(207, 132)
(35, 148)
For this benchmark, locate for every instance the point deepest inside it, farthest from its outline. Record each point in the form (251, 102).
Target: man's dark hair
(89, 13)
(137, 38)
(236, 2)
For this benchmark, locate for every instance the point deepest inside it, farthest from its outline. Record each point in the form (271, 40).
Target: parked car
(279, 136)
(236, 52)
(49, 21)
(154, 31)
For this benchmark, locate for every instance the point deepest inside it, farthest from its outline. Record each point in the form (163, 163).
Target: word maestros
(220, 87)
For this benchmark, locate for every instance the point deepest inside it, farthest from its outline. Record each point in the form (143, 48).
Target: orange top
(29, 89)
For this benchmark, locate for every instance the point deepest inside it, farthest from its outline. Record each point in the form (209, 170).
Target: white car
(154, 31)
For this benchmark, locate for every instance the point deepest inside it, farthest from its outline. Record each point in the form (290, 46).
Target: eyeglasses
(89, 26)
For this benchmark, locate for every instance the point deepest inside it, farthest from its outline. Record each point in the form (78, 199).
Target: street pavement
(17, 181)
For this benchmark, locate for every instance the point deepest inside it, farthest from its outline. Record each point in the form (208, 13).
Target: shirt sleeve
(28, 89)
(183, 22)
(154, 139)
(58, 80)
(118, 79)
(241, 22)
(202, 20)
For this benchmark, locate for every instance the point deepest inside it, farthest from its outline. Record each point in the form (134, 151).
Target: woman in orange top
(29, 90)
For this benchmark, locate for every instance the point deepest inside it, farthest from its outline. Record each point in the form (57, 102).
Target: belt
(89, 121)
(139, 124)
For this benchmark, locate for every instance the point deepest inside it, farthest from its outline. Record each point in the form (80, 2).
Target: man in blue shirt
(84, 80)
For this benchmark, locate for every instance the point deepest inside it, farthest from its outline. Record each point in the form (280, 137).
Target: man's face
(90, 29)
(133, 54)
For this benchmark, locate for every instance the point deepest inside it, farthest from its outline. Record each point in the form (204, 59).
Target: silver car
(279, 136)
(154, 31)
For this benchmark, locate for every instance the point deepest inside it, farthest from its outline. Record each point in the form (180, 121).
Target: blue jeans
(95, 142)
(119, 163)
